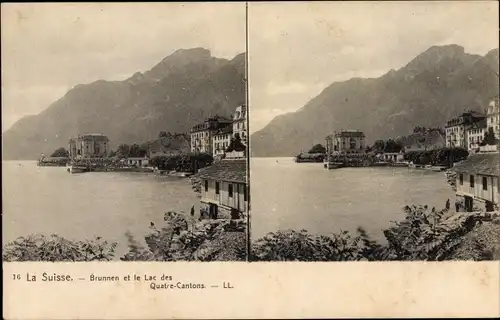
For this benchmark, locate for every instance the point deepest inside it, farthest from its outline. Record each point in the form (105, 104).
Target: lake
(289, 195)
(50, 200)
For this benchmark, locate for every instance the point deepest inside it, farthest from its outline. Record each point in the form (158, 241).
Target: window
(461, 179)
(217, 188)
(206, 185)
(244, 192)
(230, 190)
(472, 181)
(485, 183)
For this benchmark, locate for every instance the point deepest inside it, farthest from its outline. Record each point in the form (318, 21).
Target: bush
(55, 248)
(60, 153)
(183, 163)
(186, 239)
(424, 234)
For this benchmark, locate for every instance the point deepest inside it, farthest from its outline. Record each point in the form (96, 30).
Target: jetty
(52, 161)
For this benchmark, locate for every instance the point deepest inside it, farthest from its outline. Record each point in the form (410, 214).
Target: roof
(482, 163)
(225, 130)
(93, 136)
(226, 170)
(350, 133)
(481, 124)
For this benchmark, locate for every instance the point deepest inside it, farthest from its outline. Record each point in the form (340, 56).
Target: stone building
(221, 140)
(456, 129)
(475, 135)
(89, 146)
(493, 117)
(346, 142)
(240, 123)
(202, 134)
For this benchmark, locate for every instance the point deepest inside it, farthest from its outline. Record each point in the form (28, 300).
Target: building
(456, 129)
(493, 117)
(221, 140)
(475, 135)
(346, 142)
(137, 161)
(478, 181)
(89, 146)
(224, 191)
(202, 134)
(240, 123)
(392, 156)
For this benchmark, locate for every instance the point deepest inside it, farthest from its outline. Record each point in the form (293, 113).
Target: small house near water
(224, 192)
(478, 182)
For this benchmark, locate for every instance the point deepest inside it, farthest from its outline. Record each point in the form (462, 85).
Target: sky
(298, 49)
(49, 48)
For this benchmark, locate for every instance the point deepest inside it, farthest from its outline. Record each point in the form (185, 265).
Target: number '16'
(16, 276)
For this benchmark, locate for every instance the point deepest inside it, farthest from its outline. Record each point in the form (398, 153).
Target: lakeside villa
(88, 146)
(344, 147)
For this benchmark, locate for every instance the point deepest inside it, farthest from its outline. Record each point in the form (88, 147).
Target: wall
(143, 162)
(393, 157)
(491, 194)
(456, 136)
(220, 143)
(237, 201)
(344, 144)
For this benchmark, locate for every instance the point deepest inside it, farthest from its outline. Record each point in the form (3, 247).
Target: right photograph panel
(374, 131)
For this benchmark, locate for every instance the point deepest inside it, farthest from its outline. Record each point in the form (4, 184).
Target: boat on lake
(309, 157)
(78, 169)
(52, 161)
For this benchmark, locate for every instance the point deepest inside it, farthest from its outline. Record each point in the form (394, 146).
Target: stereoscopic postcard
(250, 159)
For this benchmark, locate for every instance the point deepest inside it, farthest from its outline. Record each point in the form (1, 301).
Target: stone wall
(223, 213)
(451, 178)
(196, 185)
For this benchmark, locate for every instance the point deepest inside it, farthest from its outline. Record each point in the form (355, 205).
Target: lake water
(288, 195)
(78, 206)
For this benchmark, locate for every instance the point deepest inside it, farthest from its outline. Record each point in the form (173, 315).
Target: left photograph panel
(124, 132)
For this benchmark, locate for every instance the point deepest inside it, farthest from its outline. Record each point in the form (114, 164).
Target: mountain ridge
(179, 91)
(436, 85)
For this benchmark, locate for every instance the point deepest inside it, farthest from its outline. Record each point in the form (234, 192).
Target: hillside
(181, 90)
(436, 85)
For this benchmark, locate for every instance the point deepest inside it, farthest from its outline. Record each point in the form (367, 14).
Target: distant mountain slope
(435, 86)
(181, 90)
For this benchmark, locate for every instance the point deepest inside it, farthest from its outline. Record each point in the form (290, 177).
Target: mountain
(181, 90)
(435, 86)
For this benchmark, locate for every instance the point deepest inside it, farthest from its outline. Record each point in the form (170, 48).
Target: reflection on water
(288, 195)
(77, 206)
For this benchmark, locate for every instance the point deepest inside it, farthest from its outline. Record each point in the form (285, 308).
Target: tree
(60, 152)
(489, 137)
(137, 151)
(112, 153)
(379, 145)
(162, 134)
(236, 144)
(392, 146)
(123, 150)
(318, 148)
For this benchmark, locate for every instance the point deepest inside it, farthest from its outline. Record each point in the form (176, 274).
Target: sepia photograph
(225, 160)
(374, 131)
(124, 132)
